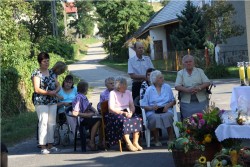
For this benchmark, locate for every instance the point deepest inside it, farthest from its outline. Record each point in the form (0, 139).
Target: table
(240, 92)
(226, 131)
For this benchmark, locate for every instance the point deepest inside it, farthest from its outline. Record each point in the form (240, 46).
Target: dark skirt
(90, 122)
(118, 125)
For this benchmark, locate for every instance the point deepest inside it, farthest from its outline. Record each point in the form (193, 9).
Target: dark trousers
(135, 93)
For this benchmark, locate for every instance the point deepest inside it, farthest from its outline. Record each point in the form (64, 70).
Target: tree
(84, 25)
(190, 34)
(219, 23)
(119, 19)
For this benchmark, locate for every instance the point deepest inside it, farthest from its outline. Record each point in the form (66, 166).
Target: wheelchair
(209, 94)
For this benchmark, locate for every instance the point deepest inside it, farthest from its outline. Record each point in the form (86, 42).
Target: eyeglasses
(69, 82)
(111, 83)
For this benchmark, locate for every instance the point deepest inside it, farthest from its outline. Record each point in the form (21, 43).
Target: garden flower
(219, 164)
(202, 160)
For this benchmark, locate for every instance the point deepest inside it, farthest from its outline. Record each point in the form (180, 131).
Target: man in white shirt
(137, 67)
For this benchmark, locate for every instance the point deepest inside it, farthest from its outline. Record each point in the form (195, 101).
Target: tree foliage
(119, 19)
(219, 23)
(190, 34)
(85, 23)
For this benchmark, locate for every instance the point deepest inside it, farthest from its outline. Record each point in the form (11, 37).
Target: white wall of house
(131, 52)
(158, 33)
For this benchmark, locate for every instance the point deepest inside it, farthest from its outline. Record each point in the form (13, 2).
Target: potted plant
(197, 133)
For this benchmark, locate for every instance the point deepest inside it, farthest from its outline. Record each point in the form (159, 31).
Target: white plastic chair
(147, 131)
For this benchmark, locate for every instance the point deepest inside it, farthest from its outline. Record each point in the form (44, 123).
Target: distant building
(160, 26)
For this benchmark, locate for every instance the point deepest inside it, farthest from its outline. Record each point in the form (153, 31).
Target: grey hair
(137, 43)
(109, 79)
(120, 81)
(154, 75)
(186, 57)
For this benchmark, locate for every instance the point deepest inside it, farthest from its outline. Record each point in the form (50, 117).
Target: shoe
(45, 151)
(92, 146)
(54, 149)
(158, 144)
(131, 147)
(138, 147)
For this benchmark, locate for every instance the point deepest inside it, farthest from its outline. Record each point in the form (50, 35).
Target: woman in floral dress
(121, 121)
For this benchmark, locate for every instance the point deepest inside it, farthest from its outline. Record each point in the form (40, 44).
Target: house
(160, 26)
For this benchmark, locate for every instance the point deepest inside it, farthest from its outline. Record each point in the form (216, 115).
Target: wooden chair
(79, 128)
(104, 112)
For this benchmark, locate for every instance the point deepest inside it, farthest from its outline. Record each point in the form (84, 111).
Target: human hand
(51, 93)
(129, 115)
(75, 113)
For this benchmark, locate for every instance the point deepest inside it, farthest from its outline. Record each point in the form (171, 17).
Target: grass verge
(16, 128)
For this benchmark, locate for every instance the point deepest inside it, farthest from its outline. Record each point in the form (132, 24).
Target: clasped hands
(127, 114)
(155, 107)
(194, 90)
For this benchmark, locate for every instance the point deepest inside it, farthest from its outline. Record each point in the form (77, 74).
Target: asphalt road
(26, 154)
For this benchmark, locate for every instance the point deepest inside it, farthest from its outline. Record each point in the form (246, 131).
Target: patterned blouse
(143, 88)
(46, 83)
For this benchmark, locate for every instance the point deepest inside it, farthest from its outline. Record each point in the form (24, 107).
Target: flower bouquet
(197, 133)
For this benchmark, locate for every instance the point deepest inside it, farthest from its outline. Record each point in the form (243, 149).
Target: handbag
(159, 110)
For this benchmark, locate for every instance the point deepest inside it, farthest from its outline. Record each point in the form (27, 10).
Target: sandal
(131, 147)
(138, 146)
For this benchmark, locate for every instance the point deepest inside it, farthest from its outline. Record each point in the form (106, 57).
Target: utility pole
(64, 19)
(54, 19)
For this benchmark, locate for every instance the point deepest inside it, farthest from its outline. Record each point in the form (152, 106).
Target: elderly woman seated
(121, 120)
(158, 103)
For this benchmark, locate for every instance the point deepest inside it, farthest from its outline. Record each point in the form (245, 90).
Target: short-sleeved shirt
(120, 100)
(80, 103)
(68, 97)
(46, 83)
(139, 66)
(152, 97)
(104, 96)
(197, 78)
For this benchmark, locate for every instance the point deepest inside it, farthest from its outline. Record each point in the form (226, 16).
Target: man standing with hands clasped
(137, 67)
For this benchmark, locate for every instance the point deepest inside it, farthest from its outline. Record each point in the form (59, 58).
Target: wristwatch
(199, 88)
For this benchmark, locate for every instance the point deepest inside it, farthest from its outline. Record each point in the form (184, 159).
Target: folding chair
(104, 112)
(147, 131)
(79, 128)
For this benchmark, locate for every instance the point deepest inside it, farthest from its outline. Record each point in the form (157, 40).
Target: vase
(211, 149)
(187, 159)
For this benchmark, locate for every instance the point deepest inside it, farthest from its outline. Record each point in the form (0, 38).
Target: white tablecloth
(237, 93)
(225, 131)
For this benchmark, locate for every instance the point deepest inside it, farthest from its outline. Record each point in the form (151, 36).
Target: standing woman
(45, 88)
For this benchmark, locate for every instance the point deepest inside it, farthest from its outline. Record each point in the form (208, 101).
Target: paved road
(26, 154)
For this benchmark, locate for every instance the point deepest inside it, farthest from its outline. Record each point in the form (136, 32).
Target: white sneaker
(54, 149)
(45, 151)
(158, 144)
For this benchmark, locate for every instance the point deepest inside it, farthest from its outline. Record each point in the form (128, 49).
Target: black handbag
(159, 110)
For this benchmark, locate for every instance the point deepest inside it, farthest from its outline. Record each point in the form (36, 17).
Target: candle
(242, 73)
(248, 72)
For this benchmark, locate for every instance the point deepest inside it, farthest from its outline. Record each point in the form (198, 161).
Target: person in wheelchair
(191, 82)
(83, 108)
(66, 95)
(158, 103)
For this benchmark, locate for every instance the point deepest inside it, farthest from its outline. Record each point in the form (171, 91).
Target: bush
(58, 46)
(217, 71)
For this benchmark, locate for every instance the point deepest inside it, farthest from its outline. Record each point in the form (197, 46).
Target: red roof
(70, 7)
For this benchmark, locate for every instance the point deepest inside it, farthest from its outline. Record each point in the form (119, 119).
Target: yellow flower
(219, 164)
(208, 138)
(202, 160)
